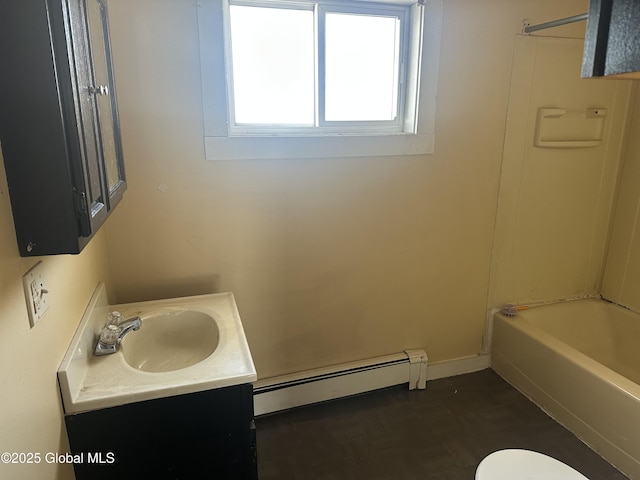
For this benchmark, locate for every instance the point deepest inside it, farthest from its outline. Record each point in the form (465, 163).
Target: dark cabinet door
(59, 129)
(196, 436)
(109, 157)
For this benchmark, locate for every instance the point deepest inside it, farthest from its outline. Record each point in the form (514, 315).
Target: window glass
(272, 51)
(362, 66)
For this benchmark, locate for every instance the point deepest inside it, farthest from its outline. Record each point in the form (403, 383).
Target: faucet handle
(113, 318)
(109, 334)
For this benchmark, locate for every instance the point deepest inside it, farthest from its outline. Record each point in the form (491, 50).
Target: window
(315, 67)
(304, 78)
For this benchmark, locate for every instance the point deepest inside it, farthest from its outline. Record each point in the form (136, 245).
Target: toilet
(516, 464)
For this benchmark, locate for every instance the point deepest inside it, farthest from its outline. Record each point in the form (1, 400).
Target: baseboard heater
(313, 386)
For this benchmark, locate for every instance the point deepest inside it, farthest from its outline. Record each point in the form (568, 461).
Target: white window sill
(334, 146)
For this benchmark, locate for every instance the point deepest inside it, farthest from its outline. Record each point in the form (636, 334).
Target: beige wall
(331, 259)
(31, 418)
(621, 281)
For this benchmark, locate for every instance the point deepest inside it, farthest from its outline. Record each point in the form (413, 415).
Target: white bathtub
(580, 361)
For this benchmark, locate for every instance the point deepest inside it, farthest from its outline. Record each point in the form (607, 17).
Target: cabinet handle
(100, 90)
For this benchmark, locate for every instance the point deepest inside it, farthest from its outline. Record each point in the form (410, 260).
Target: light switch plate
(36, 293)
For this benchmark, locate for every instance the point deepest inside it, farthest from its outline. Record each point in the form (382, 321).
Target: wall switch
(36, 293)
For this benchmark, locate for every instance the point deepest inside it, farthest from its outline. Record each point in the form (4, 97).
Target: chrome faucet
(114, 331)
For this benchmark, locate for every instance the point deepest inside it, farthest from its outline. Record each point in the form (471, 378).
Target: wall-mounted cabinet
(59, 129)
(611, 39)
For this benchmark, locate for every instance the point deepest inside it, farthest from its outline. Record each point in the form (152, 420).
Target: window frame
(320, 9)
(356, 7)
(416, 135)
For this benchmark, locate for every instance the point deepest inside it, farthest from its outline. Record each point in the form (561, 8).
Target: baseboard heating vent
(313, 386)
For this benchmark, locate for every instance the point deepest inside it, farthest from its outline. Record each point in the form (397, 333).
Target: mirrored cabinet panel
(59, 129)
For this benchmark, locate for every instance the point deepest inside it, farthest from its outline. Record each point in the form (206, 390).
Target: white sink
(184, 345)
(171, 340)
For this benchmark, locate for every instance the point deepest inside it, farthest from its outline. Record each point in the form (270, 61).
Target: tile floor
(440, 433)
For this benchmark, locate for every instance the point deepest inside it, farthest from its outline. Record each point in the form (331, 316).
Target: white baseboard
(458, 366)
(319, 385)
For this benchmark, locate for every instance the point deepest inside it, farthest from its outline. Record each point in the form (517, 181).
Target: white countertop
(89, 382)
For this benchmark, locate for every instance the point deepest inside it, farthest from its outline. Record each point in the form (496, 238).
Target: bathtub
(580, 361)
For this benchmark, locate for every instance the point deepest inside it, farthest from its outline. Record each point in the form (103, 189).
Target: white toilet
(515, 464)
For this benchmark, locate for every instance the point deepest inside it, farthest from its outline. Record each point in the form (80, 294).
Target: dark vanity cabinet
(59, 128)
(197, 436)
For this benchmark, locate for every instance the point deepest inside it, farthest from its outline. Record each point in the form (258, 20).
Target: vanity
(174, 401)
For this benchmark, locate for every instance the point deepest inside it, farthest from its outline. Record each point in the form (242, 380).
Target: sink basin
(171, 341)
(184, 345)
